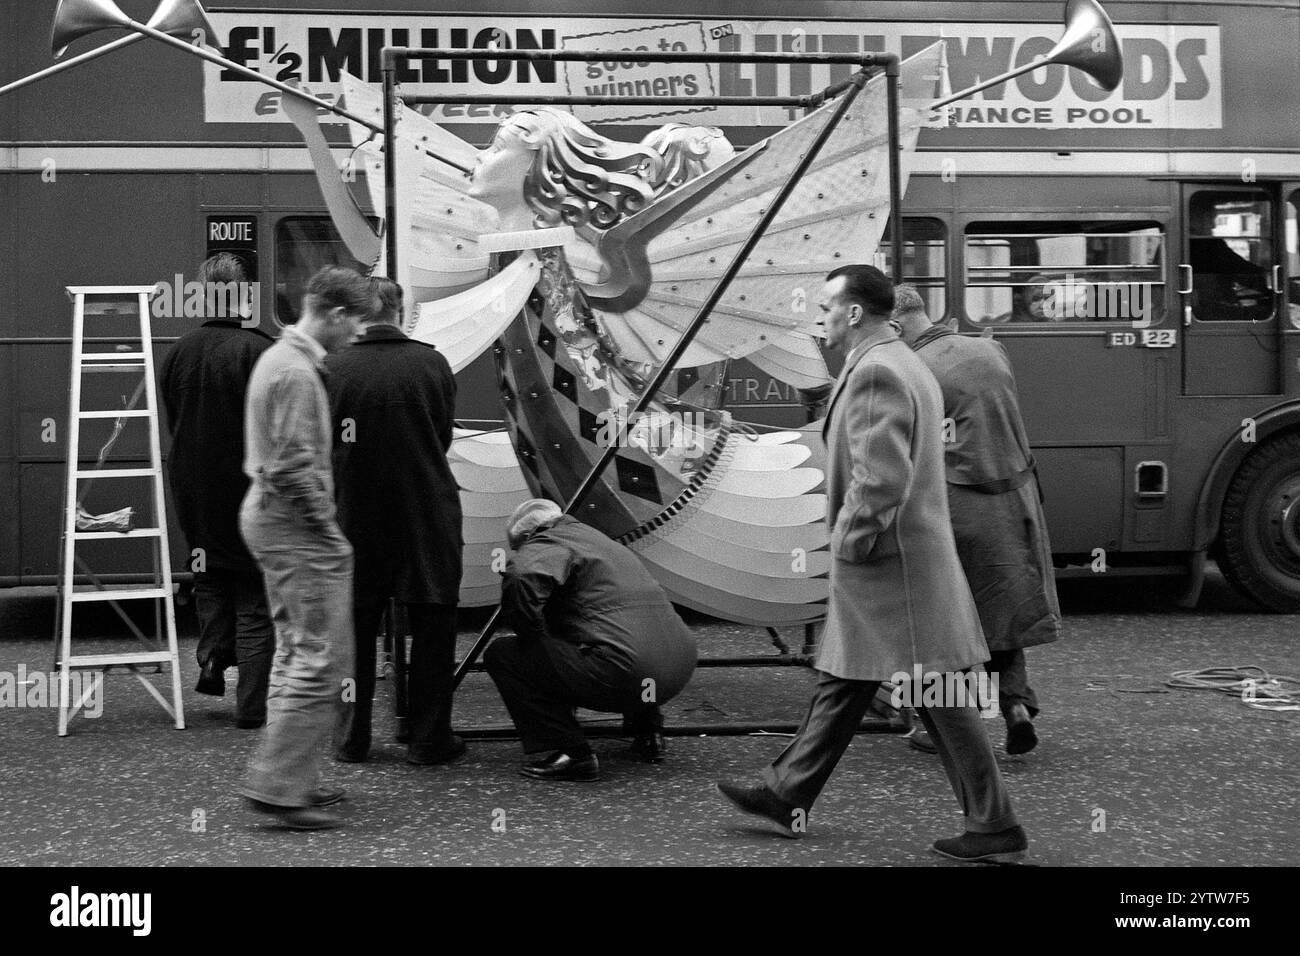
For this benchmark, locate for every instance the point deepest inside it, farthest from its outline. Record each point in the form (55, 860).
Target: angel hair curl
(686, 152)
(579, 177)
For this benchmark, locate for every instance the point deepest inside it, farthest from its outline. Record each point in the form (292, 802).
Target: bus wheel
(1259, 537)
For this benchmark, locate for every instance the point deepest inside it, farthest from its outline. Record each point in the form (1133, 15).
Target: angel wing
(360, 238)
(751, 545)
(837, 212)
(840, 206)
(464, 324)
(491, 485)
(438, 224)
(742, 535)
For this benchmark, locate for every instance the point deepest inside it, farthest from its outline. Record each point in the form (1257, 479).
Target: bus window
(1060, 272)
(1293, 258)
(925, 259)
(1230, 250)
(303, 245)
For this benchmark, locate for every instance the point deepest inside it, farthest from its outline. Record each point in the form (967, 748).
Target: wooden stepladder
(91, 303)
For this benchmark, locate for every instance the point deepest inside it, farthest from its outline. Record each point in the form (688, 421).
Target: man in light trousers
(288, 522)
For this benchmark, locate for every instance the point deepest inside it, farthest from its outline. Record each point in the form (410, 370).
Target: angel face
(498, 179)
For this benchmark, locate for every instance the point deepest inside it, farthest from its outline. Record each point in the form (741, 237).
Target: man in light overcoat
(899, 602)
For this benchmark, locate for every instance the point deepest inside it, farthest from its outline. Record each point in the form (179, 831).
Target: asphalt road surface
(1128, 771)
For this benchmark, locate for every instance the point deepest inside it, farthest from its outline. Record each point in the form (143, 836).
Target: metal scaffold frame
(887, 63)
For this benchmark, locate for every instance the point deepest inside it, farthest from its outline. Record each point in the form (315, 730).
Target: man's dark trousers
(235, 630)
(1013, 680)
(429, 679)
(798, 775)
(542, 682)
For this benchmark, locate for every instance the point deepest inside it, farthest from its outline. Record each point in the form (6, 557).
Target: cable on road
(1127, 684)
(1254, 686)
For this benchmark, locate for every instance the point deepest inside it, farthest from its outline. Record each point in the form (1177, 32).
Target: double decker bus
(1135, 251)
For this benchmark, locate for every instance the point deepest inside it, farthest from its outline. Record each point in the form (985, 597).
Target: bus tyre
(1259, 537)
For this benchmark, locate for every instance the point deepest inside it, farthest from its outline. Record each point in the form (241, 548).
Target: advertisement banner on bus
(1172, 73)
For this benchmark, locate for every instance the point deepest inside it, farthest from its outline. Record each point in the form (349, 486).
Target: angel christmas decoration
(580, 260)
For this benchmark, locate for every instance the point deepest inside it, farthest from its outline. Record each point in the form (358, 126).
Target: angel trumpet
(76, 18)
(173, 18)
(1088, 44)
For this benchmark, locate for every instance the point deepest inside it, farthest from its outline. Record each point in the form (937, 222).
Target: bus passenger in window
(1032, 302)
(393, 402)
(996, 507)
(1225, 283)
(202, 381)
(1052, 299)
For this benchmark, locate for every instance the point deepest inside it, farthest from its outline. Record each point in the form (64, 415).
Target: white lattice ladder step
(116, 302)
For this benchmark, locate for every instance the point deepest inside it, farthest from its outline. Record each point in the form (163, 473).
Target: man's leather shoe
(920, 740)
(249, 723)
(1008, 846)
(345, 755)
(761, 802)
(560, 766)
(297, 818)
(325, 797)
(647, 748)
(1020, 730)
(212, 680)
(429, 758)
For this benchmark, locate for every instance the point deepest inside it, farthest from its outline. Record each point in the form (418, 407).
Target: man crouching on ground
(593, 629)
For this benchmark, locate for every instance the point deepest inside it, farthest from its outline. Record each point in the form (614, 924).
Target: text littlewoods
(1183, 67)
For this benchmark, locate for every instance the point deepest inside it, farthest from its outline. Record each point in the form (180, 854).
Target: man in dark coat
(203, 383)
(993, 497)
(393, 404)
(593, 629)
